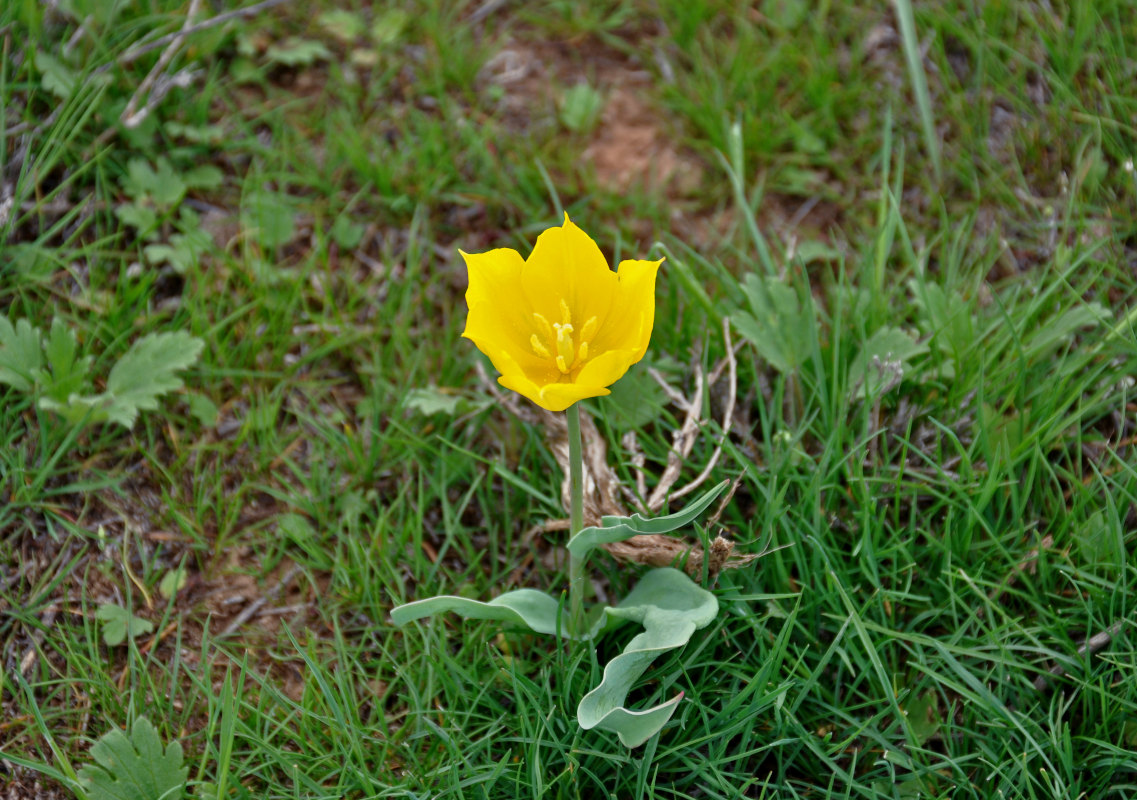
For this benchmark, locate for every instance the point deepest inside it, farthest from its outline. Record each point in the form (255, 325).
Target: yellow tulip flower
(559, 326)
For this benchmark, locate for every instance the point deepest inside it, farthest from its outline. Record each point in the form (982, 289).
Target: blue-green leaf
(617, 529)
(528, 607)
(671, 607)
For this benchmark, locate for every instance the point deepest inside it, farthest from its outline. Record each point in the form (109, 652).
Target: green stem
(577, 584)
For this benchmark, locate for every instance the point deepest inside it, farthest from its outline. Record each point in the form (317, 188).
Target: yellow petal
(559, 396)
(567, 265)
(491, 273)
(501, 333)
(629, 326)
(606, 369)
(498, 319)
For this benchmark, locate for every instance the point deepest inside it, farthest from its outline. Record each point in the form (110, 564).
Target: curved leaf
(617, 529)
(535, 610)
(671, 607)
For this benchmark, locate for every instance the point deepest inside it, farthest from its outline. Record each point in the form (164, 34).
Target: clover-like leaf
(118, 623)
(135, 767)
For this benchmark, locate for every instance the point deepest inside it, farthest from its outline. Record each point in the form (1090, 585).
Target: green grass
(946, 524)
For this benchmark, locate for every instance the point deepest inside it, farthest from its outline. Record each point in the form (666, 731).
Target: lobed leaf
(147, 371)
(134, 768)
(21, 354)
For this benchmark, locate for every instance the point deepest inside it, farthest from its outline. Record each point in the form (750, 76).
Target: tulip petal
(607, 368)
(559, 396)
(631, 327)
(567, 265)
(491, 273)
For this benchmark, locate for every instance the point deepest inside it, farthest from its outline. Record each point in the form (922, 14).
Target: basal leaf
(528, 607)
(147, 371)
(56, 77)
(21, 354)
(135, 767)
(119, 623)
(68, 371)
(883, 361)
(671, 607)
(617, 529)
(779, 325)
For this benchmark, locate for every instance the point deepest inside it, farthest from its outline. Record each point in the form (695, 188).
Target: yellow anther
(582, 351)
(539, 348)
(589, 329)
(561, 364)
(566, 315)
(543, 327)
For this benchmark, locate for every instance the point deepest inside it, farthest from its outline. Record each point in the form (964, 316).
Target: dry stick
(682, 440)
(130, 117)
(727, 417)
(252, 608)
(134, 54)
(1091, 646)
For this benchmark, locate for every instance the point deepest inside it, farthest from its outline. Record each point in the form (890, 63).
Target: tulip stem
(577, 584)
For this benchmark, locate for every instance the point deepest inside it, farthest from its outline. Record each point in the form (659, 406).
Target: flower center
(556, 341)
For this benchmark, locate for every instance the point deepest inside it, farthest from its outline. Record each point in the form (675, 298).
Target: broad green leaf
(134, 768)
(140, 217)
(668, 604)
(118, 624)
(389, 26)
(204, 176)
(21, 354)
(883, 361)
(268, 216)
(527, 607)
(147, 371)
(433, 400)
(580, 108)
(1062, 328)
(56, 77)
(617, 529)
(346, 233)
(296, 52)
(203, 409)
(671, 607)
(780, 325)
(173, 581)
(345, 25)
(162, 185)
(66, 372)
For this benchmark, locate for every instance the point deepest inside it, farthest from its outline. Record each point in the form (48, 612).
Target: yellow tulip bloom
(559, 326)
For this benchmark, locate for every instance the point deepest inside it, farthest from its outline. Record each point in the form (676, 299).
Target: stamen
(566, 315)
(589, 329)
(539, 348)
(582, 351)
(544, 328)
(561, 364)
